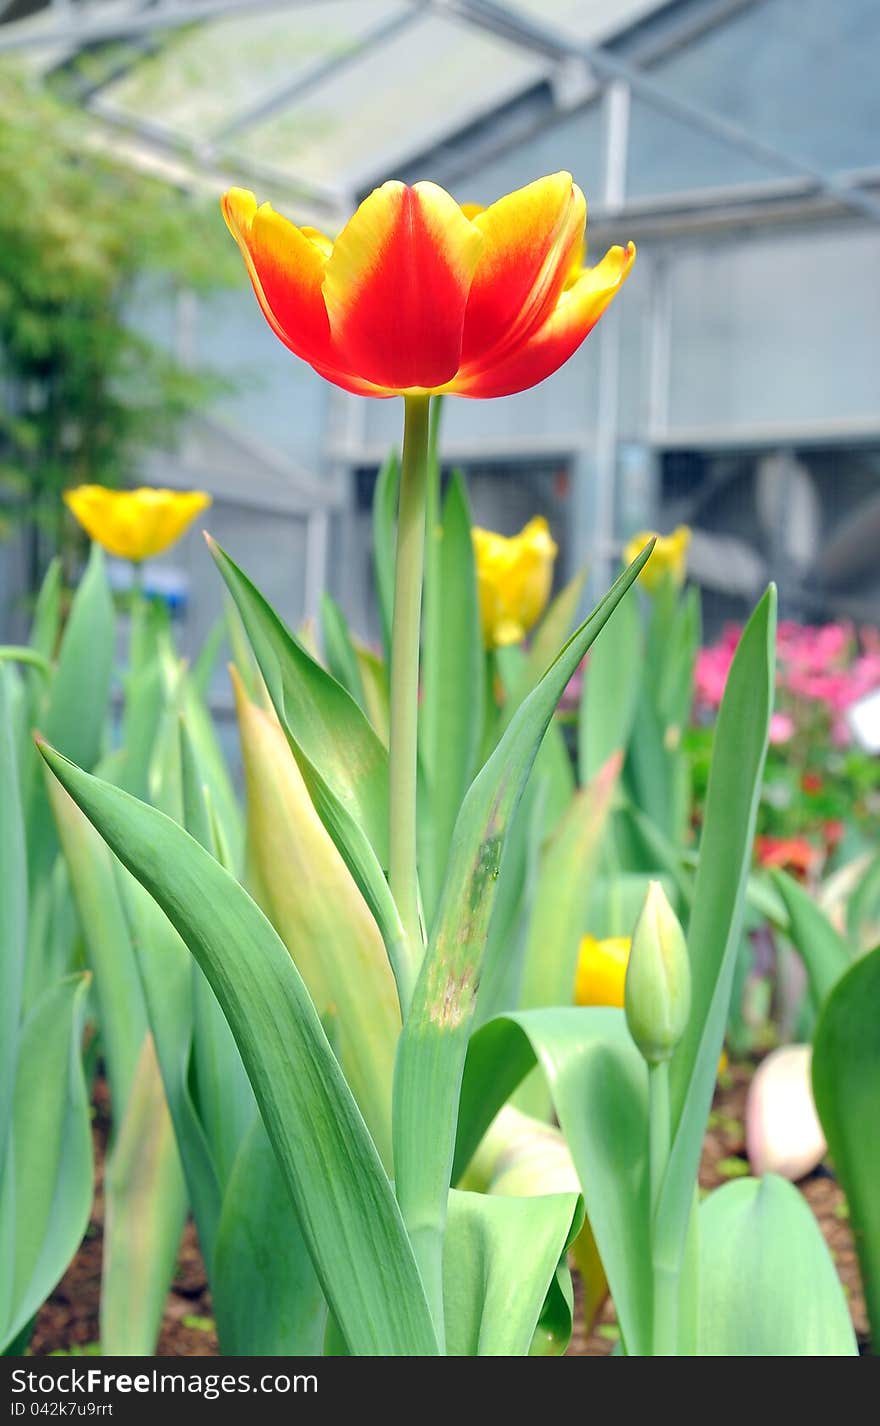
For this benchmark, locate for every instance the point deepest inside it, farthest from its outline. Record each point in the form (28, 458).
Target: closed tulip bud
(657, 994)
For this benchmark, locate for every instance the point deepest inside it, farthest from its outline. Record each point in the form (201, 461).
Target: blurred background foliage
(84, 242)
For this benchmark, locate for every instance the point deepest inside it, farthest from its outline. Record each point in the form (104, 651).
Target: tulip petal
(531, 238)
(135, 524)
(575, 316)
(397, 284)
(286, 267)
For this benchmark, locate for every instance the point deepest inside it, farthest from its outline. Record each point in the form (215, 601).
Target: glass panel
(799, 74)
(392, 103)
(205, 74)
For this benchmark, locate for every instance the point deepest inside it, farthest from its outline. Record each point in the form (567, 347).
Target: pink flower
(712, 668)
(781, 728)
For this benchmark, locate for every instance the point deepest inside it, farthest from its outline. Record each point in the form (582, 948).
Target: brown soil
(68, 1322)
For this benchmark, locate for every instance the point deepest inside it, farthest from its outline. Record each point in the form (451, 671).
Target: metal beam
(557, 46)
(162, 140)
(287, 94)
(167, 15)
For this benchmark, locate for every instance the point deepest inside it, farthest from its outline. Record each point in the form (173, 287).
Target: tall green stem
(409, 570)
(665, 1300)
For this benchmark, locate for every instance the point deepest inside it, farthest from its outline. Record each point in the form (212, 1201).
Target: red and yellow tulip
(418, 295)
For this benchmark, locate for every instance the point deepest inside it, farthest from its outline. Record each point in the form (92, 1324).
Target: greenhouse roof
(314, 101)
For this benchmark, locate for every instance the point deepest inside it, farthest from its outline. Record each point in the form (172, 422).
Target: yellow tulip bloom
(601, 971)
(514, 579)
(667, 559)
(135, 524)
(601, 975)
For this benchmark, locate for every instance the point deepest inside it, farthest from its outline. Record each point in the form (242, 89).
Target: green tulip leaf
(146, 1204)
(433, 1044)
(610, 690)
(715, 924)
(166, 970)
(846, 1087)
(453, 668)
(339, 649)
(267, 1299)
(825, 954)
(13, 908)
(767, 1284)
(343, 1197)
(598, 1085)
(505, 1273)
(343, 762)
(46, 1189)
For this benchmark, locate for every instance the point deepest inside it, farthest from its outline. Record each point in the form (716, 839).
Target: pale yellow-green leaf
(311, 898)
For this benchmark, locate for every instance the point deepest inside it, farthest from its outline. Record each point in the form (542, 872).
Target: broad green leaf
(500, 1261)
(616, 899)
(344, 1200)
(330, 736)
(433, 1044)
(36, 688)
(610, 690)
(553, 764)
(47, 612)
(560, 906)
(504, 956)
(450, 725)
(824, 953)
(146, 1207)
(308, 894)
(863, 908)
(13, 908)
(214, 772)
(548, 638)
(676, 688)
(223, 1093)
(81, 687)
(846, 1087)
(46, 1190)
(384, 524)
(144, 706)
(650, 773)
(339, 649)
(767, 1285)
(343, 762)
(206, 660)
(267, 1300)
(74, 715)
(715, 923)
(525, 1157)
(375, 684)
(121, 1009)
(598, 1084)
(166, 968)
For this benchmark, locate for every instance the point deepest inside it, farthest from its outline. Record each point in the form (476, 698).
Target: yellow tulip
(135, 524)
(601, 971)
(668, 559)
(514, 579)
(601, 975)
